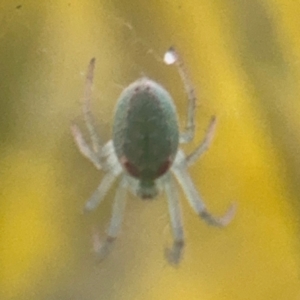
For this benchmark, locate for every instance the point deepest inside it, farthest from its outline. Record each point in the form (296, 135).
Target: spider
(144, 153)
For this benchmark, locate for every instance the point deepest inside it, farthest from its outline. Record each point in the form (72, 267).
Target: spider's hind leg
(205, 144)
(173, 57)
(94, 153)
(84, 148)
(86, 108)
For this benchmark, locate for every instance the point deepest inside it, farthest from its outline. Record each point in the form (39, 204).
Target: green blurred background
(244, 59)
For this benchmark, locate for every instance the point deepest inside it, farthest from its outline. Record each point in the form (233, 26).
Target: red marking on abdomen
(130, 168)
(164, 168)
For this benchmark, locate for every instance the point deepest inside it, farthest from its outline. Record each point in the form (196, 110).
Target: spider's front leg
(102, 249)
(194, 198)
(174, 254)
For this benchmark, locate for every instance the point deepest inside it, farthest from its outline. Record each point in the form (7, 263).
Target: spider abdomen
(145, 132)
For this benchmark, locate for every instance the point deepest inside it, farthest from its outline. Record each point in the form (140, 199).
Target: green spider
(144, 153)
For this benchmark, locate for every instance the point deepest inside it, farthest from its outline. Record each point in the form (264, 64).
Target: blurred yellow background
(244, 59)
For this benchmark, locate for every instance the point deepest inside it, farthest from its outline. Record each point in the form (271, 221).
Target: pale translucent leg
(196, 201)
(171, 57)
(94, 154)
(84, 148)
(86, 107)
(190, 159)
(174, 254)
(100, 192)
(115, 222)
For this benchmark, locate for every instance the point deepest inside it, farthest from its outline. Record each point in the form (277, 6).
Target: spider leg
(86, 108)
(191, 158)
(196, 201)
(174, 254)
(116, 221)
(84, 148)
(100, 192)
(171, 57)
